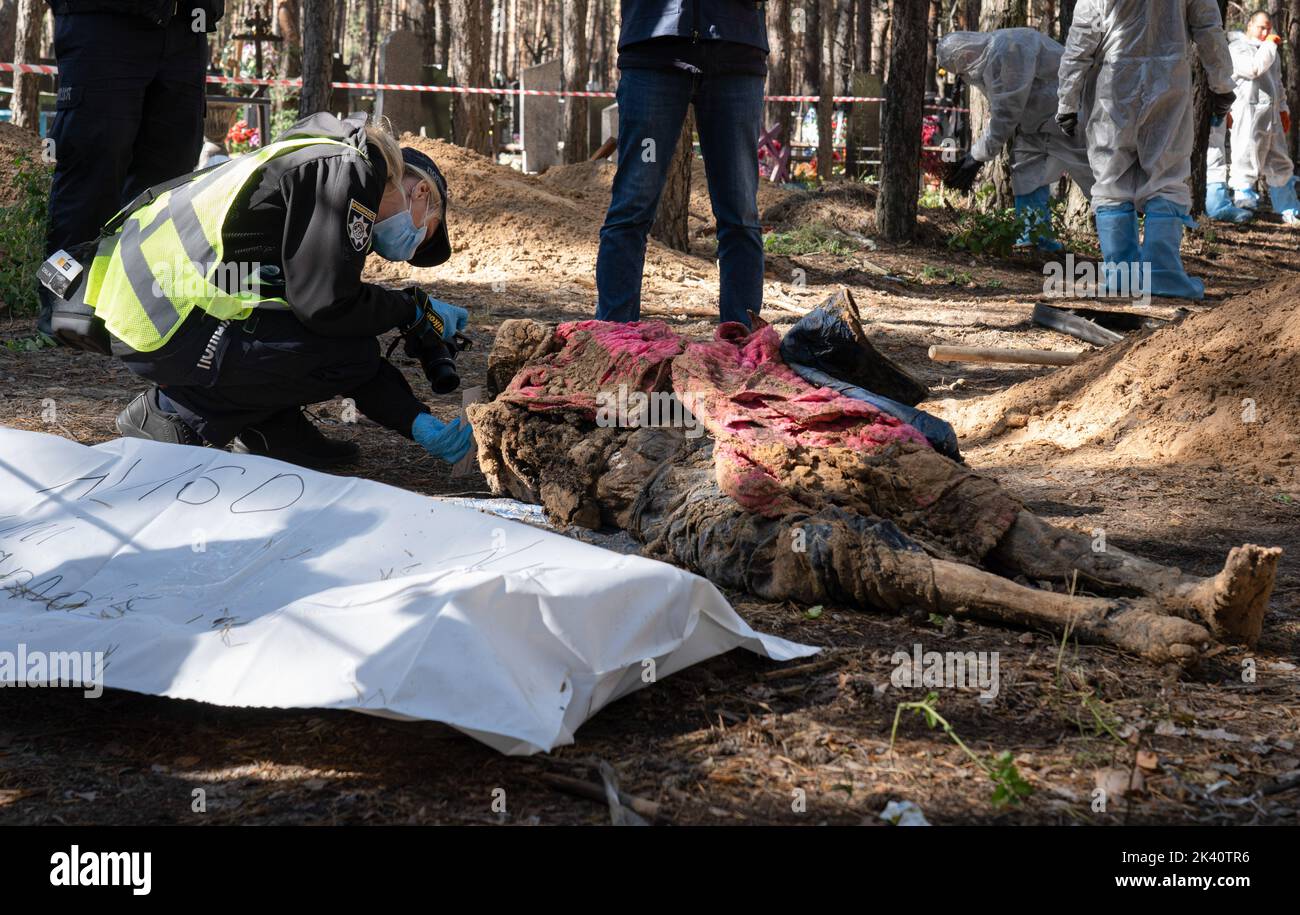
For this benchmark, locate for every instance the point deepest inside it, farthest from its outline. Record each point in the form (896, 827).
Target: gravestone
(436, 105)
(540, 116)
(609, 123)
(864, 117)
(401, 56)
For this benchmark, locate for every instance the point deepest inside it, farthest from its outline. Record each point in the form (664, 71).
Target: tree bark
(444, 34)
(672, 224)
(932, 45)
(26, 102)
(996, 14)
(781, 41)
(1292, 58)
(900, 124)
(1065, 18)
(826, 91)
(843, 45)
(881, 18)
(471, 123)
(576, 46)
(317, 57)
(286, 15)
(862, 36)
(1201, 118)
(812, 47)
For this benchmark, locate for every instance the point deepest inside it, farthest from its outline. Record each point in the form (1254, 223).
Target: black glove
(963, 175)
(1068, 122)
(1221, 103)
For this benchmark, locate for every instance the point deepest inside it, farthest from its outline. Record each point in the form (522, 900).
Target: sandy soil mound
(14, 142)
(505, 222)
(1220, 389)
(593, 180)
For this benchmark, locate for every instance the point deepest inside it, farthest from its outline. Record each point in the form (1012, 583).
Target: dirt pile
(593, 181)
(504, 223)
(15, 144)
(1221, 389)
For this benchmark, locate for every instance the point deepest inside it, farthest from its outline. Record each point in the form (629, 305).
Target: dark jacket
(295, 220)
(156, 12)
(741, 21)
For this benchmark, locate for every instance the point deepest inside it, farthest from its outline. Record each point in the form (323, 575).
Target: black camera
(438, 359)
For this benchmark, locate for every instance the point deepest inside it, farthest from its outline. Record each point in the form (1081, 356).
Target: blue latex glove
(449, 441)
(446, 319)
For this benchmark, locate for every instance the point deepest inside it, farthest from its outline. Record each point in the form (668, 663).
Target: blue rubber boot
(1285, 203)
(1034, 209)
(1161, 243)
(1117, 230)
(1218, 205)
(1246, 198)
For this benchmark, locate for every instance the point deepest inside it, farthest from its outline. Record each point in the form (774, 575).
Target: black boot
(290, 436)
(44, 320)
(144, 418)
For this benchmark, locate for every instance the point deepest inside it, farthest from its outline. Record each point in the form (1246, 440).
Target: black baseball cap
(437, 248)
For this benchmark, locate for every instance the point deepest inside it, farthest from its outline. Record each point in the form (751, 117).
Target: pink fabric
(597, 356)
(761, 414)
(759, 411)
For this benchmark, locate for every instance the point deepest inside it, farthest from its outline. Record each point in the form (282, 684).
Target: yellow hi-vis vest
(160, 264)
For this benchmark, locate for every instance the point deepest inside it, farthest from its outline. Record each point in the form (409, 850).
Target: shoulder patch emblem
(361, 220)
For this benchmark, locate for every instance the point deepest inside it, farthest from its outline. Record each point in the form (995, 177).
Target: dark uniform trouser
(267, 364)
(130, 115)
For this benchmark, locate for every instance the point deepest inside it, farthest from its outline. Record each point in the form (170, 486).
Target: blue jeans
(729, 115)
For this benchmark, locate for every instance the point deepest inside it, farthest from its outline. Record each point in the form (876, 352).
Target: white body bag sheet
(244, 581)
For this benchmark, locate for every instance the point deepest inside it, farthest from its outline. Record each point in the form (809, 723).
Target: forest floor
(737, 739)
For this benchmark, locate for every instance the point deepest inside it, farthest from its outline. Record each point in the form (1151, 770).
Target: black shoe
(45, 319)
(143, 418)
(290, 436)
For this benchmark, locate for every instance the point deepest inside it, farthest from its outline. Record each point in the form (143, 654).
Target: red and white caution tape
(46, 69)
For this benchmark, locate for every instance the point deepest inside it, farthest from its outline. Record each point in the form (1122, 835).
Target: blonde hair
(386, 143)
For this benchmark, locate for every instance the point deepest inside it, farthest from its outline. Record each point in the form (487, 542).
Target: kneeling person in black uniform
(237, 291)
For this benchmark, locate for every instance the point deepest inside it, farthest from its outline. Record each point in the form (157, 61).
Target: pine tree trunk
(26, 102)
(1201, 119)
(471, 125)
(862, 36)
(812, 47)
(576, 49)
(672, 224)
(1292, 60)
(826, 89)
(286, 15)
(932, 45)
(317, 57)
(444, 34)
(996, 14)
(900, 123)
(881, 18)
(781, 40)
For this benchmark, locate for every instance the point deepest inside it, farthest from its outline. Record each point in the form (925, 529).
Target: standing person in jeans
(674, 53)
(130, 107)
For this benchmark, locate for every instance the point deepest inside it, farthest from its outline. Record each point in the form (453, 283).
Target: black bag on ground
(831, 338)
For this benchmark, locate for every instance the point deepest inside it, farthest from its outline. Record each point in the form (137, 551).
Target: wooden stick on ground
(1010, 356)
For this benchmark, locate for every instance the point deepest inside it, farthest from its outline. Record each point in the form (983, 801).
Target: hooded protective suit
(1016, 69)
(1140, 128)
(1259, 145)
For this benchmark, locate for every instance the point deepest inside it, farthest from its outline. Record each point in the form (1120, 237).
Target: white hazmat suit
(1140, 128)
(1016, 70)
(1259, 145)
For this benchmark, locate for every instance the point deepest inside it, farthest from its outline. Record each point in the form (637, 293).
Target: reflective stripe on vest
(159, 266)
